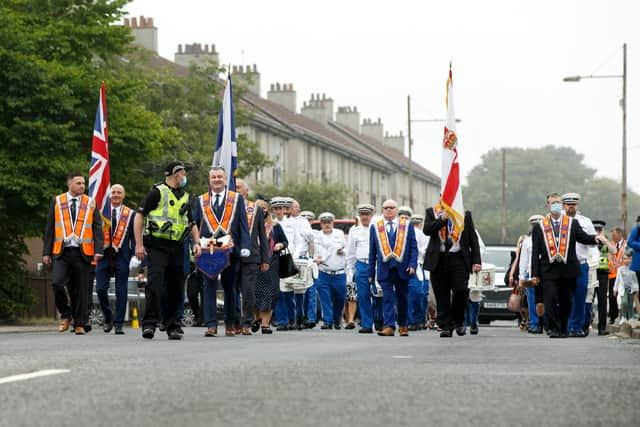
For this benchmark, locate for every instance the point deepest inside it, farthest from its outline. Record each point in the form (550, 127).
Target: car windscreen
(500, 258)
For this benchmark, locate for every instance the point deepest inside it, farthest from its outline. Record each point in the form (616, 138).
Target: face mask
(183, 181)
(556, 208)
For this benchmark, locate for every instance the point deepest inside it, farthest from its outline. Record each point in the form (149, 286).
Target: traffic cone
(134, 318)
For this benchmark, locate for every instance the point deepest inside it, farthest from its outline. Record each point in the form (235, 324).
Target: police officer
(165, 218)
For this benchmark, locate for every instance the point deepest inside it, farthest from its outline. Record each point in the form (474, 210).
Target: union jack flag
(99, 173)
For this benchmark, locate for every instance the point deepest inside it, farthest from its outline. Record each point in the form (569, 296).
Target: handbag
(287, 267)
(514, 301)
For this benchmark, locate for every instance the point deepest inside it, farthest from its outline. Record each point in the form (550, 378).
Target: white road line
(402, 357)
(36, 374)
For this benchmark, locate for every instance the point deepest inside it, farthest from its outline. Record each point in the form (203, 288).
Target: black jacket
(468, 241)
(259, 242)
(540, 265)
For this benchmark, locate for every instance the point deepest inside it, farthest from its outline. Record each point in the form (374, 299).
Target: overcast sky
(509, 58)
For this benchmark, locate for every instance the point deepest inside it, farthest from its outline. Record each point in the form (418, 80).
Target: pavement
(501, 377)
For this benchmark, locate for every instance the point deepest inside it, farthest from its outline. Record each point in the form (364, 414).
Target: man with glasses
(393, 258)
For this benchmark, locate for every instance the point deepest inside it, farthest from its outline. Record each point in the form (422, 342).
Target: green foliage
(530, 175)
(330, 197)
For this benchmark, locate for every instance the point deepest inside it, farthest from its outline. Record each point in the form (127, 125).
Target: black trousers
(613, 301)
(194, 292)
(71, 270)
(450, 281)
(603, 288)
(229, 280)
(165, 278)
(558, 296)
(246, 282)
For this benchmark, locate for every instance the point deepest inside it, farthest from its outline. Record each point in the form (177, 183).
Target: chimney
(144, 33)
(283, 95)
(318, 108)
(372, 129)
(394, 141)
(349, 117)
(248, 77)
(196, 54)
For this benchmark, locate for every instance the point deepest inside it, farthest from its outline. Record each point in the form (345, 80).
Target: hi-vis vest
(603, 263)
(168, 211)
(81, 231)
(615, 260)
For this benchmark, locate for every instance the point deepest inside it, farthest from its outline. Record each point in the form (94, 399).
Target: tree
(318, 198)
(530, 175)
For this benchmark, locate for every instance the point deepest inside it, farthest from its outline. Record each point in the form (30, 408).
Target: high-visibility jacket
(81, 231)
(168, 211)
(615, 260)
(603, 263)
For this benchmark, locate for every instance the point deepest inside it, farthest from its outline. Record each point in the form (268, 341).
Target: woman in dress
(268, 283)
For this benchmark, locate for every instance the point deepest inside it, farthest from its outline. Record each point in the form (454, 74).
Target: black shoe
(107, 327)
(179, 330)
(337, 326)
(148, 333)
(602, 333)
(474, 330)
(586, 332)
(87, 328)
(413, 327)
(267, 330)
(612, 321)
(326, 326)
(577, 335)
(174, 335)
(378, 326)
(119, 330)
(556, 334)
(309, 324)
(350, 325)
(365, 331)
(540, 330)
(461, 331)
(162, 327)
(282, 328)
(255, 326)
(447, 333)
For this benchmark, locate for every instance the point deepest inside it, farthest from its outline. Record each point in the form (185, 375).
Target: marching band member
(285, 305)
(305, 238)
(311, 296)
(357, 266)
(330, 256)
(222, 219)
(534, 295)
(555, 265)
(119, 245)
(393, 258)
(419, 283)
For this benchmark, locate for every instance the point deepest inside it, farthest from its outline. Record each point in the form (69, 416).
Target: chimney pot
(134, 22)
(126, 22)
(150, 22)
(142, 22)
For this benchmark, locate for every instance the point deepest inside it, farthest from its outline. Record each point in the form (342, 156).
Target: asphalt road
(319, 378)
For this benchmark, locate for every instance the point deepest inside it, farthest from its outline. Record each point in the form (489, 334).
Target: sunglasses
(388, 207)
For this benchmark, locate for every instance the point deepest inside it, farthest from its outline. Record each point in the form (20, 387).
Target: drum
(301, 281)
(483, 280)
(593, 274)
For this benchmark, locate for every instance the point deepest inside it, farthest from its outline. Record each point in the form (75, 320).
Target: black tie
(114, 221)
(216, 206)
(448, 242)
(73, 210)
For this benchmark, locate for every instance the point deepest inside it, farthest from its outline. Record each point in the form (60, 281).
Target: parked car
(494, 303)
(342, 224)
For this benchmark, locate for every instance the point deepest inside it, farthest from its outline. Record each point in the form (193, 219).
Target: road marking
(36, 374)
(402, 357)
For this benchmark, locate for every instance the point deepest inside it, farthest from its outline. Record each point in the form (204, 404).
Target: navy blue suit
(241, 239)
(116, 264)
(392, 275)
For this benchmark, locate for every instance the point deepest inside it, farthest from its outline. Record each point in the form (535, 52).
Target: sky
(508, 57)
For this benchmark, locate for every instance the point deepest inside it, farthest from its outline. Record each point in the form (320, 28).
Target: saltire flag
(451, 198)
(99, 173)
(226, 154)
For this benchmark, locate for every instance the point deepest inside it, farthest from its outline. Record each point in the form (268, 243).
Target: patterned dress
(268, 283)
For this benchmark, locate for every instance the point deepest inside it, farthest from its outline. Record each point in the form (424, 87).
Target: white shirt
(326, 246)
(303, 234)
(220, 199)
(114, 221)
(357, 247)
(584, 252)
(524, 265)
(423, 241)
(73, 243)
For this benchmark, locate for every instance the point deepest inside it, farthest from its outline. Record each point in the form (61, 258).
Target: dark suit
(248, 273)
(558, 279)
(450, 270)
(71, 269)
(116, 264)
(240, 236)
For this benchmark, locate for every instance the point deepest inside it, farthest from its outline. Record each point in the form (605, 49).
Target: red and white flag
(451, 199)
(99, 173)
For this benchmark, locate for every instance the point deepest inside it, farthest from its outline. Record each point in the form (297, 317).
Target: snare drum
(482, 281)
(301, 281)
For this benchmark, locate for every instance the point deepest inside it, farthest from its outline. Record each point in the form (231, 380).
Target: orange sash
(439, 210)
(121, 228)
(557, 246)
(251, 211)
(209, 216)
(383, 240)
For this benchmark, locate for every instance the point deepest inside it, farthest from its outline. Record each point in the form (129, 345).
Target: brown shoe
(64, 325)
(404, 331)
(229, 332)
(79, 330)
(246, 331)
(211, 332)
(387, 332)
(237, 330)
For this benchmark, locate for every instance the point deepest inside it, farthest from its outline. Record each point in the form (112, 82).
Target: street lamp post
(623, 104)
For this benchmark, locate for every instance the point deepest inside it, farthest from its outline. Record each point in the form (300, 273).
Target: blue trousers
(395, 294)
(121, 274)
(416, 300)
(311, 302)
(471, 313)
(363, 288)
(576, 318)
(377, 306)
(425, 300)
(534, 321)
(299, 307)
(285, 308)
(209, 298)
(332, 289)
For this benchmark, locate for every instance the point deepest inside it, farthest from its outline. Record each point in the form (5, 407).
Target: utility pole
(504, 196)
(410, 144)
(623, 104)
